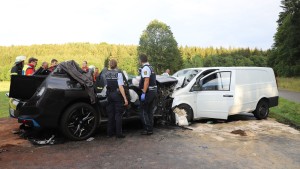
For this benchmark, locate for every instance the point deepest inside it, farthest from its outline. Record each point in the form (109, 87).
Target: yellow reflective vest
(25, 68)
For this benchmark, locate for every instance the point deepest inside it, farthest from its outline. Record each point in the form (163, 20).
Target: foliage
(4, 88)
(3, 105)
(287, 112)
(284, 57)
(95, 54)
(289, 83)
(126, 55)
(159, 44)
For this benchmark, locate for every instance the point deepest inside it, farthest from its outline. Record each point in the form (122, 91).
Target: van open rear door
(23, 87)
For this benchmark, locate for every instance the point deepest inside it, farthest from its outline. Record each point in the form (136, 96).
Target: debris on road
(210, 122)
(180, 116)
(239, 132)
(90, 139)
(43, 142)
(3, 150)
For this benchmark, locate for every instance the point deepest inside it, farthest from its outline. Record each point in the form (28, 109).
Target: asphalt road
(240, 142)
(293, 96)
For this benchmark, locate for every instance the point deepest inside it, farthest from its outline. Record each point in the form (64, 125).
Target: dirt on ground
(240, 142)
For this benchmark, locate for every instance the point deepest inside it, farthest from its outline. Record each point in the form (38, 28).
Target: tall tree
(158, 42)
(285, 55)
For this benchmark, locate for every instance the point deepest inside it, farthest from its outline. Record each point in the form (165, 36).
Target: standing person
(166, 73)
(53, 65)
(117, 100)
(148, 86)
(95, 74)
(29, 69)
(18, 67)
(84, 66)
(43, 70)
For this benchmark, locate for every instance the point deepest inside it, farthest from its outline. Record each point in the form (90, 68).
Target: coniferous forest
(127, 56)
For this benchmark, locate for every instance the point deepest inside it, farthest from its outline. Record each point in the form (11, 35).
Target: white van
(222, 91)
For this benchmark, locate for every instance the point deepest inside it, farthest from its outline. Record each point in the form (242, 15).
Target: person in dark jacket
(116, 100)
(149, 94)
(43, 70)
(18, 67)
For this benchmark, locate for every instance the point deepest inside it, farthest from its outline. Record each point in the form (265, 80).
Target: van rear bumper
(273, 101)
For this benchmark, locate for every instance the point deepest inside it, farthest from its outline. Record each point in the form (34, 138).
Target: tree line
(285, 55)
(127, 56)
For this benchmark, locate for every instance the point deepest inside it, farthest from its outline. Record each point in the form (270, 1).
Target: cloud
(194, 22)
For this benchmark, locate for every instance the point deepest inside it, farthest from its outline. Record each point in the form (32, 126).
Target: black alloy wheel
(79, 122)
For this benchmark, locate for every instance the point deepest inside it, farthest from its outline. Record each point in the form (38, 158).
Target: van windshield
(186, 75)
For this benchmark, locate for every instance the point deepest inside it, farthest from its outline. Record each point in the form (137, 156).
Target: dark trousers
(115, 110)
(147, 110)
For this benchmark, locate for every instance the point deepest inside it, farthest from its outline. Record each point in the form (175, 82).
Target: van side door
(215, 95)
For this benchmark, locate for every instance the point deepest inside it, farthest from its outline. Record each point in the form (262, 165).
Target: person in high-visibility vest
(18, 67)
(29, 69)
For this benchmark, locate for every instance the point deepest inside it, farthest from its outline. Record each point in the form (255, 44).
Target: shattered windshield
(186, 75)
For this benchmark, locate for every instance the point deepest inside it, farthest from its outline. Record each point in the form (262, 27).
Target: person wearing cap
(19, 64)
(29, 69)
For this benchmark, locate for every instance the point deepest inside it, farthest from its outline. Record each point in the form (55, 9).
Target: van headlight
(41, 92)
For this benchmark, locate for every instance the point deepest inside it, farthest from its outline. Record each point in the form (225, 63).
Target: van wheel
(188, 110)
(79, 121)
(262, 110)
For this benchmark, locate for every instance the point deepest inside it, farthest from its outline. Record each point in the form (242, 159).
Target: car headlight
(41, 92)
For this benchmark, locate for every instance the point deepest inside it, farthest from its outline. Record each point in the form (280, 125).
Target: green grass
(4, 88)
(291, 83)
(287, 112)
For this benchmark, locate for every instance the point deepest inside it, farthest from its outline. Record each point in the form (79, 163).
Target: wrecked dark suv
(67, 100)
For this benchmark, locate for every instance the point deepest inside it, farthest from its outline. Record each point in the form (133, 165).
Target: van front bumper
(273, 101)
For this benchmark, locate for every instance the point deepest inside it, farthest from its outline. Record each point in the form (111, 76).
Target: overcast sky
(236, 23)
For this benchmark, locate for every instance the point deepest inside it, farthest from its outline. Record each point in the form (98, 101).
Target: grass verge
(287, 112)
(4, 88)
(291, 83)
(3, 105)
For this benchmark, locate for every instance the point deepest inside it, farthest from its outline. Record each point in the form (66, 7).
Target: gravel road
(240, 142)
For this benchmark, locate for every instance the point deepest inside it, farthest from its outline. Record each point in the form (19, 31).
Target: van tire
(262, 110)
(79, 121)
(189, 112)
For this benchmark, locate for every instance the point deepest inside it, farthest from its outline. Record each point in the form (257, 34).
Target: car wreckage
(67, 99)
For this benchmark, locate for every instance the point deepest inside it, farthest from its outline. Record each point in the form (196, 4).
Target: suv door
(214, 95)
